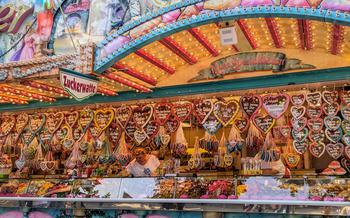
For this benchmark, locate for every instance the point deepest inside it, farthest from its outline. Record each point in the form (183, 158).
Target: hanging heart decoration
(297, 111)
(347, 151)
(315, 124)
(182, 110)
(346, 164)
(7, 124)
(285, 131)
(345, 112)
(202, 109)
(330, 109)
(94, 130)
(211, 125)
(346, 139)
(317, 149)
(20, 163)
(335, 150)
(298, 99)
(298, 124)
(140, 136)
(71, 118)
(54, 121)
(152, 128)
(300, 147)
(36, 122)
(123, 115)
(276, 105)
(314, 112)
(316, 136)
(162, 112)
(103, 118)
(330, 96)
(332, 122)
(21, 122)
(27, 136)
(86, 117)
(241, 124)
(334, 135)
(165, 139)
(263, 123)
(300, 135)
(292, 160)
(225, 112)
(45, 137)
(142, 115)
(345, 125)
(250, 104)
(345, 97)
(61, 133)
(115, 133)
(172, 125)
(130, 129)
(314, 99)
(78, 133)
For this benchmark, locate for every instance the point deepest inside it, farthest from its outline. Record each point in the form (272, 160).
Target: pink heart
(297, 111)
(330, 109)
(276, 105)
(314, 98)
(298, 124)
(335, 150)
(298, 99)
(315, 124)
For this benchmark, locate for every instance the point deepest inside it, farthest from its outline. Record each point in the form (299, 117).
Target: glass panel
(329, 189)
(50, 188)
(13, 187)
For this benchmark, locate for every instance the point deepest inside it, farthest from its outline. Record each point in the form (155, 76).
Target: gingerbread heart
(21, 122)
(330, 109)
(300, 135)
(172, 125)
(263, 123)
(71, 118)
(142, 115)
(140, 136)
(7, 124)
(78, 133)
(317, 149)
(285, 131)
(276, 105)
(36, 122)
(298, 99)
(330, 96)
(123, 115)
(130, 129)
(211, 125)
(85, 119)
(345, 125)
(45, 137)
(346, 164)
(335, 150)
(165, 139)
(20, 163)
(250, 104)
(345, 112)
(315, 124)
(225, 112)
(300, 147)
(314, 112)
(346, 139)
(298, 124)
(314, 98)
(61, 133)
(94, 130)
(297, 111)
(292, 160)
(115, 133)
(27, 136)
(103, 118)
(162, 112)
(347, 151)
(202, 109)
(334, 135)
(54, 121)
(345, 97)
(332, 122)
(241, 124)
(182, 110)
(152, 128)
(316, 136)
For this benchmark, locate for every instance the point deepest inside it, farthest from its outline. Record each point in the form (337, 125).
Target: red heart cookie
(172, 125)
(182, 110)
(225, 112)
(263, 123)
(300, 147)
(315, 125)
(330, 109)
(314, 112)
(297, 111)
(317, 149)
(250, 104)
(152, 128)
(335, 150)
(202, 109)
(298, 99)
(54, 121)
(314, 98)
(71, 118)
(142, 115)
(162, 112)
(241, 124)
(298, 124)
(123, 115)
(345, 97)
(330, 96)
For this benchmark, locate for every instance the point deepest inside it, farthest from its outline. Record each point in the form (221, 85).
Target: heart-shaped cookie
(27, 136)
(300, 147)
(130, 129)
(36, 122)
(123, 115)
(103, 118)
(171, 125)
(298, 124)
(45, 137)
(165, 139)
(317, 149)
(292, 160)
(346, 139)
(316, 136)
(285, 131)
(345, 97)
(345, 125)
(298, 99)
(20, 163)
(115, 133)
(182, 110)
(78, 132)
(211, 125)
(330, 96)
(140, 136)
(162, 112)
(346, 164)
(315, 124)
(297, 111)
(330, 109)
(335, 150)
(241, 124)
(332, 122)
(314, 98)
(7, 124)
(202, 109)
(345, 112)
(142, 115)
(71, 118)
(250, 104)
(152, 129)
(276, 105)
(300, 135)
(54, 121)
(347, 151)
(334, 135)
(61, 133)
(21, 122)
(263, 123)
(86, 117)
(314, 112)
(225, 112)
